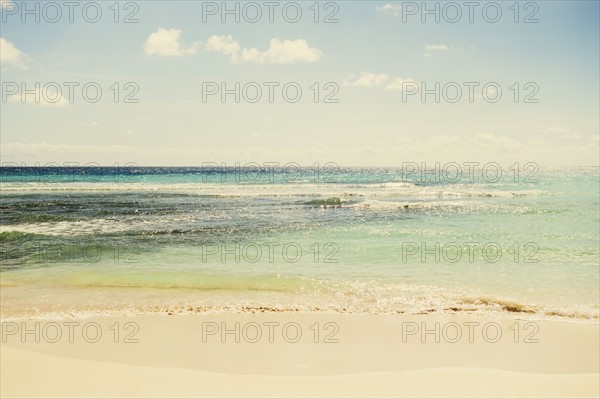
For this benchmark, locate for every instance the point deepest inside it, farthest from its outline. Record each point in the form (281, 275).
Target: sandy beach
(282, 355)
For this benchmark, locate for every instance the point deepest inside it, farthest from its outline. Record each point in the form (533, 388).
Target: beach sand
(185, 356)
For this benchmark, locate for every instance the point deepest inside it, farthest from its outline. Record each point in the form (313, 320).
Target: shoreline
(335, 355)
(21, 302)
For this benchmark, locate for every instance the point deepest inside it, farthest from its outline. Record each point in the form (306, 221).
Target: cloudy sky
(368, 75)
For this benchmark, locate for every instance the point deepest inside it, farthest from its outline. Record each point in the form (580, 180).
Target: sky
(350, 82)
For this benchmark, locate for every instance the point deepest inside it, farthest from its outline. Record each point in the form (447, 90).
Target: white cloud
(436, 47)
(224, 45)
(399, 84)
(283, 52)
(10, 55)
(571, 136)
(166, 43)
(279, 51)
(389, 9)
(368, 79)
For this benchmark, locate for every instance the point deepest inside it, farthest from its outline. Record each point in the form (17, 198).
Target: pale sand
(370, 360)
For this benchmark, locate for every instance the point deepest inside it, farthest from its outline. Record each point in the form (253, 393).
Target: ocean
(257, 238)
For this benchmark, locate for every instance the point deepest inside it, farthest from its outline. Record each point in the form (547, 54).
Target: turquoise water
(336, 239)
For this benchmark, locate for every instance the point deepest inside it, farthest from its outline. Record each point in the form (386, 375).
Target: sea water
(259, 238)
